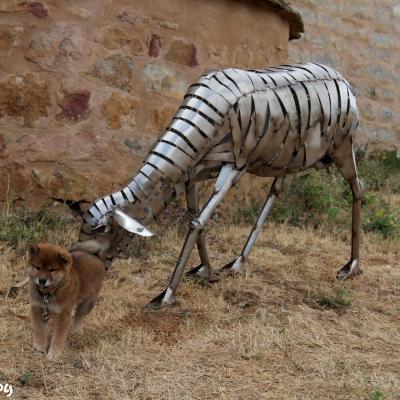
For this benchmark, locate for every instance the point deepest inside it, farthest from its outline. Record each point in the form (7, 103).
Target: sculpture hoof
(234, 267)
(200, 270)
(350, 270)
(204, 273)
(165, 299)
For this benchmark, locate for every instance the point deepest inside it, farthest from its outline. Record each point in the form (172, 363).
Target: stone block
(380, 134)
(154, 45)
(2, 143)
(328, 59)
(133, 144)
(378, 72)
(362, 11)
(24, 97)
(74, 106)
(114, 38)
(382, 40)
(162, 116)
(183, 53)
(79, 11)
(8, 38)
(57, 46)
(37, 8)
(164, 79)
(115, 71)
(387, 114)
(368, 113)
(116, 109)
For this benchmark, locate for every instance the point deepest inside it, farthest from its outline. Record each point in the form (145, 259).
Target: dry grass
(284, 330)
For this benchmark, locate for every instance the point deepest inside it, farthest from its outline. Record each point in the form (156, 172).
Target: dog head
(47, 264)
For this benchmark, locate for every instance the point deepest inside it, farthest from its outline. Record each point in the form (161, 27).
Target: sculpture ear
(130, 224)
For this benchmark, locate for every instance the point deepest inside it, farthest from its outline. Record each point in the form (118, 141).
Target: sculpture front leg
(226, 179)
(203, 269)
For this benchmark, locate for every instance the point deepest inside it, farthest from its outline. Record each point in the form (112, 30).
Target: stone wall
(361, 39)
(87, 86)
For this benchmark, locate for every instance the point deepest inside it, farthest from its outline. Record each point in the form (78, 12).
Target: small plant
(324, 200)
(338, 299)
(27, 378)
(249, 214)
(377, 394)
(383, 221)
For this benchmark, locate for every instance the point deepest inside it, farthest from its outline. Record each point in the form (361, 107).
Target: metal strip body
(267, 122)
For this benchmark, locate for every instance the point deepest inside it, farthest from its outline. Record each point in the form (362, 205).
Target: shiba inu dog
(60, 282)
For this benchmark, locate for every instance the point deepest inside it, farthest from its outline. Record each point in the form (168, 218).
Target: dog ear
(32, 249)
(64, 257)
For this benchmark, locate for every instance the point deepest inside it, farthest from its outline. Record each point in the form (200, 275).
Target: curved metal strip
(213, 97)
(130, 224)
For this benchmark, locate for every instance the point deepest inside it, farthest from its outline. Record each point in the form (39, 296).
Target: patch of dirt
(165, 324)
(241, 298)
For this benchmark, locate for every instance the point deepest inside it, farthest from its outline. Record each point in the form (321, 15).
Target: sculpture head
(110, 236)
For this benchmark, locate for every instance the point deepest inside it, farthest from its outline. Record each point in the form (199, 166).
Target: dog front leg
(39, 329)
(62, 323)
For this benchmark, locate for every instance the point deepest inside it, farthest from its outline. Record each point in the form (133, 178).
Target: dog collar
(45, 296)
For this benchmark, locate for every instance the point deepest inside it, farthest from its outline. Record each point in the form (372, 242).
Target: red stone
(37, 9)
(74, 106)
(2, 143)
(192, 61)
(154, 45)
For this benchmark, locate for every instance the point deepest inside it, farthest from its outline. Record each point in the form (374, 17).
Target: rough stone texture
(162, 116)
(86, 87)
(54, 48)
(115, 71)
(74, 106)
(163, 79)
(183, 53)
(154, 45)
(24, 98)
(116, 108)
(362, 40)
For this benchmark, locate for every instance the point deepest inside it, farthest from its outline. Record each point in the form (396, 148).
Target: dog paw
(40, 347)
(77, 329)
(53, 354)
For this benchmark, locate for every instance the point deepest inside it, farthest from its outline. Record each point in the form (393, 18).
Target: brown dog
(59, 282)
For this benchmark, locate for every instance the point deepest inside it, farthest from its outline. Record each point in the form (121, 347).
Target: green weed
(336, 299)
(20, 226)
(377, 394)
(324, 200)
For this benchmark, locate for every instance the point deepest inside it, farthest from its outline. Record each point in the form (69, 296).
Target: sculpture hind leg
(225, 181)
(345, 161)
(237, 265)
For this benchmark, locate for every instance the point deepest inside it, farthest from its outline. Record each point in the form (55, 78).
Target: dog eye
(37, 267)
(52, 269)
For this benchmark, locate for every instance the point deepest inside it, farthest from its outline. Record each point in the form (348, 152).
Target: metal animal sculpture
(269, 123)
